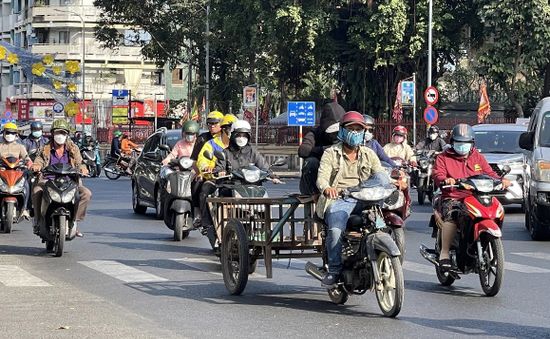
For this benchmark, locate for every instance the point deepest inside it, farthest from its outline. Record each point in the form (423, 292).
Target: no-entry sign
(431, 95)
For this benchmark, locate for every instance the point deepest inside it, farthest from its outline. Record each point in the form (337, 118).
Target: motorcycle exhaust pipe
(110, 170)
(428, 254)
(314, 271)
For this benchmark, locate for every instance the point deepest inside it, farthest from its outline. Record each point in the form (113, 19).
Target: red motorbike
(395, 208)
(12, 190)
(477, 247)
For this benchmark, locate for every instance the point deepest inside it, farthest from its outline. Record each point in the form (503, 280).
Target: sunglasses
(11, 133)
(211, 123)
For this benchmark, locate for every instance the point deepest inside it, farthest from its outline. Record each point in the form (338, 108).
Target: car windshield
(498, 141)
(172, 138)
(545, 130)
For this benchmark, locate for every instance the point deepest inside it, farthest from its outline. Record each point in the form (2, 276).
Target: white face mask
(433, 136)
(368, 136)
(189, 138)
(241, 141)
(9, 137)
(37, 134)
(60, 139)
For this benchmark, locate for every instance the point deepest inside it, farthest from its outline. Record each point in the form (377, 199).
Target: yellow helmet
(228, 119)
(10, 127)
(214, 116)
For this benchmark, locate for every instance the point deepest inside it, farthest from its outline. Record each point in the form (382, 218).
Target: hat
(214, 116)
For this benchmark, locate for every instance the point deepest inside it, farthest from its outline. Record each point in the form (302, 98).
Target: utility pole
(207, 63)
(430, 43)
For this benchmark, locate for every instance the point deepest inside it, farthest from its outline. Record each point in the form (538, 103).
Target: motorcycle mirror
(279, 162)
(164, 148)
(220, 155)
(208, 155)
(506, 169)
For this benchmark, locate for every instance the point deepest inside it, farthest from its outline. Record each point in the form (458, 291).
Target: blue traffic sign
(7, 114)
(301, 113)
(120, 93)
(407, 93)
(431, 115)
(58, 107)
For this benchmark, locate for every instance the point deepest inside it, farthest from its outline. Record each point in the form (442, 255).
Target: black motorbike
(370, 257)
(115, 167)
(423, 173)
(90, 159)
(175, 183)
(59, 205)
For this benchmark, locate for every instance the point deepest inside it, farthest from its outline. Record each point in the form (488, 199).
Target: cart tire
(234, 257)
(338, 295)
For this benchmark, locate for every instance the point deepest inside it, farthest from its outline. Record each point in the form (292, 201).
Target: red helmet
(353, 118)
(400, 130)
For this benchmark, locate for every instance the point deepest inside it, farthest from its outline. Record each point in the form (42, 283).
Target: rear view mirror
(208, 155)
(220, 155)
(506, 169)
(526, 141)
(164, 148)
(279, 162)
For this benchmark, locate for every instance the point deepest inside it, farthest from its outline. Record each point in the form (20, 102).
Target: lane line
(15, 276)
(121, 271)
(534, 255)
(524, 268)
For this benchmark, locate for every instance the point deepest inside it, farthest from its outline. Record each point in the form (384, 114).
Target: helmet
(190, 127)
(117, 133)
(36, 126)
(228, 119)
(433, 129)
(462, 133)
(61, 124)
(399, 130)
(242, 126)
(368, 119)
(353, 118)
(10, 127)
(214, 116)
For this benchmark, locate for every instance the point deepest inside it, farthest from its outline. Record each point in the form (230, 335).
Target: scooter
(370, 256)
(424, 181)
(115, 167)
(90, 158)
(12, 191)
(477, 247)
(59, 205)
(175, 192)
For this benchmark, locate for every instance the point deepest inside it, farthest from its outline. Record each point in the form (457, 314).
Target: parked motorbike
(477, 247)
(59, 204)
(370, 256)
(115, 167)
(12, 191)
(176, 197)
(424, 181)
(90, 158)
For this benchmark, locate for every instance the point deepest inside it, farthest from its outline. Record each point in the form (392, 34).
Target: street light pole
(430, 43)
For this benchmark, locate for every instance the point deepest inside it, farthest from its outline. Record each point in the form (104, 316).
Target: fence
(137, 134)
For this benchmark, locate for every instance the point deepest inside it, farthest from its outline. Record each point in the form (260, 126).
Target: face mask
(462, 148)
(37, 134)
(189, 138)
(433, 136)
(241, 141)
(368, 136)
(9, 137)
(60, 139)
(351, 138)
(398, 139)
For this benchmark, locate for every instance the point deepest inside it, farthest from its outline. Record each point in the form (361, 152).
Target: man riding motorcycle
(343, 165)
(60, 150)
(10, 147)
(36, 140)
(433, 141)
(460, 161)
(184, 146)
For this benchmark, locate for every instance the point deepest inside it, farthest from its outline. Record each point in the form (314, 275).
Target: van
(536, 141)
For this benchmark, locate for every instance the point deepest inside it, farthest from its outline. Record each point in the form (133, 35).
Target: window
(64, 37)
(151, 145)
(544, 134)
(177, 76)
(498, 141)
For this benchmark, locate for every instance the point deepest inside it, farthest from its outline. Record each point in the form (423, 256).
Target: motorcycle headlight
(541, 171)
(186, 163)
(251, 176)
(483, 185)
(423, 163)
(395, 201)
(54, 195)
(17, 187)
(68, 196)
(372, 193)
(3, 186)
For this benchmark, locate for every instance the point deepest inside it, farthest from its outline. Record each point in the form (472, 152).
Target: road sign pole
(300, 138)
(414, 111)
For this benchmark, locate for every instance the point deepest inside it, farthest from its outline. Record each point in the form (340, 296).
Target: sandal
(444, 265)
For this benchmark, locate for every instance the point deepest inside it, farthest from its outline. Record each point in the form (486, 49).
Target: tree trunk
(546, 88)
(512, 96)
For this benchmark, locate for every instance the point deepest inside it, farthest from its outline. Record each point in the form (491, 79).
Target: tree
(517, 40)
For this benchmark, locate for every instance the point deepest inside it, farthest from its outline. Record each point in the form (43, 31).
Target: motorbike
(59, 205)
(477, 247)
(12, 191)
(424, 181)
(175, 195)
(370, 256)
(115, 167)
(90, 158)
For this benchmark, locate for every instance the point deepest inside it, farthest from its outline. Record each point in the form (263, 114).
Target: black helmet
(462, 133)
(36, 126)
(368, 119)
(433, 129)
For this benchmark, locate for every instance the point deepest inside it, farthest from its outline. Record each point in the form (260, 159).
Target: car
(499, 143)
(145, 179)
(536, 141)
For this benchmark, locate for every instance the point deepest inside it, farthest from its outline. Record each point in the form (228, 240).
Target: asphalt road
(128, 278)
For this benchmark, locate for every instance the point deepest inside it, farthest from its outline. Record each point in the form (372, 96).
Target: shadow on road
(481, 327)
(435, 287)
(121, 213)
(23, 250)
(134, 236)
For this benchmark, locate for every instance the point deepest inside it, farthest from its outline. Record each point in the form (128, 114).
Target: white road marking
(202, 264)
(419, 268)
(534, 255)
(15, 276)
(121, 271)
(524, 268)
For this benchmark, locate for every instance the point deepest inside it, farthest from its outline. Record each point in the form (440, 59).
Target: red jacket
(451, 165)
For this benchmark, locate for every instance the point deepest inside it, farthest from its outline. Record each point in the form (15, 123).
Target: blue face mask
(351, 138)
(462, 148)
(37, 134)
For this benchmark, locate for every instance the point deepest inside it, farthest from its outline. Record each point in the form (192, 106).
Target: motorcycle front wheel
(7, 222)
(60, 223)
(491, 275)
(391, 290)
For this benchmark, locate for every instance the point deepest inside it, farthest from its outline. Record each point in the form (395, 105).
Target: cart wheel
(338, 295)
(234, 257)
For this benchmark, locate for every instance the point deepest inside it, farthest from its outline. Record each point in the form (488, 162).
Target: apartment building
(65, 29)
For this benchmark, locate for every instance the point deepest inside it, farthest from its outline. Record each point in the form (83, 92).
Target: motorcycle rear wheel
(112, 175)
(179, 233)
(60, 235)
(495, 266)
(390, 296)
(338, 295)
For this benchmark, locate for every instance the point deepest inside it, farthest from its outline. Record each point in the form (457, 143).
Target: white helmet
(241, 126)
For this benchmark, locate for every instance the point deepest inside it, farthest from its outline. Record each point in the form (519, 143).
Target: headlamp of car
(541, 171)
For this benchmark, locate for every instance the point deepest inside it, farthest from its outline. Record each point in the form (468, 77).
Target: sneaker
(197, 222)
(78, 233)
(25, 214)
(330, 280)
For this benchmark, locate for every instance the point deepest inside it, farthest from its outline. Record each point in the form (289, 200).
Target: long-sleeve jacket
(204, 164)
(451, 165)
(431, 145)
(318, 139)
(403, 151)
(126, 146)
(241, 157)
(199, 143)
(43, 158)
(374, 145)
(32, 143)
(330, 173)
(115, 147)
(13, 149)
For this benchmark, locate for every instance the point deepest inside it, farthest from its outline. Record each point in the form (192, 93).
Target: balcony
(93, 52)
(51, 14)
